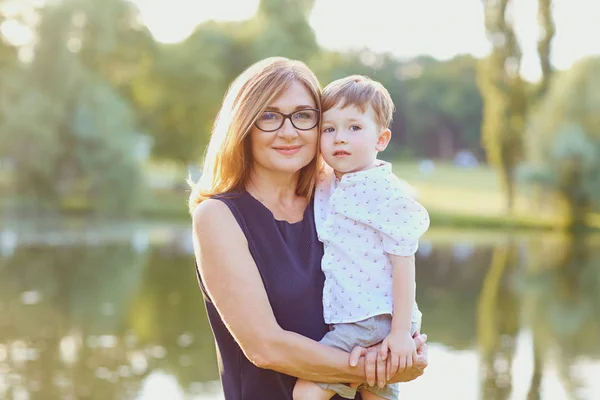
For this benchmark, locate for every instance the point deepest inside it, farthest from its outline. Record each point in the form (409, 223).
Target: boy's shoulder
(385, 180)
(405, 188)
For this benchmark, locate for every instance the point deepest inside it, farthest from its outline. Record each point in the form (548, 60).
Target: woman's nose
(287, 129)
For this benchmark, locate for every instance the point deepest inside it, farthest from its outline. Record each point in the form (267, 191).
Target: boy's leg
(307, 390)
(368, 395)
(388, 392)
(343, 337)
(391, 391)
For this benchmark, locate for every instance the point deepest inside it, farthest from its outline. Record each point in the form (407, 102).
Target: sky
(406, 28)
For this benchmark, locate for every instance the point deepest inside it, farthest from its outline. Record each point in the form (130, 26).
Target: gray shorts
(363, 333)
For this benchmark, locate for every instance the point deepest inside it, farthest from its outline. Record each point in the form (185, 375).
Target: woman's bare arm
(235, 287)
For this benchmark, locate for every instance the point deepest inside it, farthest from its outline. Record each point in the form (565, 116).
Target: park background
(106, 108)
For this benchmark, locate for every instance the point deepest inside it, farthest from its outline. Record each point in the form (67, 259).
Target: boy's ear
(383, 139)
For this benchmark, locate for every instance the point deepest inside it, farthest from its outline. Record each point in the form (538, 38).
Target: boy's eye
(355, 128)
(328, 130)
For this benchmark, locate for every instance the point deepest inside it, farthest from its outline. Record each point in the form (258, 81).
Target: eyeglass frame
(289, 116)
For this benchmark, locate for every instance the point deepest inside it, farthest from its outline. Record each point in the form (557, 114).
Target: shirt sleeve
(402, 222)
(322, 194)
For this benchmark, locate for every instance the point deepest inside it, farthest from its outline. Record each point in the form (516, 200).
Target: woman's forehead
(296, 95)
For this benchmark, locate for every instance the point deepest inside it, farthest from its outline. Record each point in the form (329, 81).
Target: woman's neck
(277, 192)
(273, 188)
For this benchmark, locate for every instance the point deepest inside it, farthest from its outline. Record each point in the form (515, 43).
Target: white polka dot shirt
(361, 219)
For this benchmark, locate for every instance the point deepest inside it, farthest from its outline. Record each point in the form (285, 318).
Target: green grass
(455, 198)
(462, 191)
(472, 198)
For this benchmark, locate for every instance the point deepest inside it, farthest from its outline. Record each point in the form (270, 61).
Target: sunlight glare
(176, 20)
(16, 33)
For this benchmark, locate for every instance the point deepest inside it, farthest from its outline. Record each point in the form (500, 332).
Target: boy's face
(351, 139)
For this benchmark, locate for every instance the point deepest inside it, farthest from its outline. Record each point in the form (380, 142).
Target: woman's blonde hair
(228, 158)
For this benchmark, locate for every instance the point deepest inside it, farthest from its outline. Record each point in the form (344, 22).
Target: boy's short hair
(362, 92)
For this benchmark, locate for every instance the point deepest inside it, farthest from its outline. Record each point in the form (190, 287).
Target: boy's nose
(340, 139)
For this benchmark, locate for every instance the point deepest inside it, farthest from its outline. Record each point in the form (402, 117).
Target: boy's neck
(339, 174)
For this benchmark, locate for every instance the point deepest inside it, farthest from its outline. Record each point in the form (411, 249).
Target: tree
(177, 97)
(504, 96)
(8, 65)
(563, 144)
(544, 45)
(68, 132)
(443, 106)
(282, 29)
(180, 93)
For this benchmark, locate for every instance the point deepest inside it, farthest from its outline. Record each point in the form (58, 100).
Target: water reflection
(121, 317)
(94, 321)
(560, 299)
(498, 322)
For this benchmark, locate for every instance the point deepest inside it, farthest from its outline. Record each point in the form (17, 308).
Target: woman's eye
(302, 115)
(269, 116)
(355, 128)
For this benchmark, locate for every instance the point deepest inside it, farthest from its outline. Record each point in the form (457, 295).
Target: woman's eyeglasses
(304, 120)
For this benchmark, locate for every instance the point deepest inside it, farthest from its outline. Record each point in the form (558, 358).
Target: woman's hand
(376, 368)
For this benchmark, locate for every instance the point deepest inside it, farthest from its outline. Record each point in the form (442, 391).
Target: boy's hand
(402, 352)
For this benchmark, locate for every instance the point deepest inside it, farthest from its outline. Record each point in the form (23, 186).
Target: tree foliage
(507, 100)
(564, 142)
(97, 68)
(443, 106)
(67, 131)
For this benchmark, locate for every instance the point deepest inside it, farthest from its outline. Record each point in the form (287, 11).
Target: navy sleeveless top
(288, 257)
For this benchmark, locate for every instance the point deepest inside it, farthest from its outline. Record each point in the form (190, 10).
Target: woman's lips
(287, 150)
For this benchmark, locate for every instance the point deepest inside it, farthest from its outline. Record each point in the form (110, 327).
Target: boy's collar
(380, 169)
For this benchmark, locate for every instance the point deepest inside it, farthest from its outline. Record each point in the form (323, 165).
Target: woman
(257, 253)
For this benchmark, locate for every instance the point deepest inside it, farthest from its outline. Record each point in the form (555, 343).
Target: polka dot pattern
(361, 219)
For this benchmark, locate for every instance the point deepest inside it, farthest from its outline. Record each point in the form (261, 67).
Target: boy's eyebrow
(300, 107)
(347, 119)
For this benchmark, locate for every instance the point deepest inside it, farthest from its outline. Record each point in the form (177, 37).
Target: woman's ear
(383, 139)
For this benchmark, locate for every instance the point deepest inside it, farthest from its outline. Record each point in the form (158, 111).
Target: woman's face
(288, 149)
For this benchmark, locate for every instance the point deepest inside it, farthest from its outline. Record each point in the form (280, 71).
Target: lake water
(112, 310)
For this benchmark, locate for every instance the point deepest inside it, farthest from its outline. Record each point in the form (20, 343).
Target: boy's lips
(341, 153)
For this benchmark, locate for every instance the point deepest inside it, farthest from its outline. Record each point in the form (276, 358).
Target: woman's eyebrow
(300, 107)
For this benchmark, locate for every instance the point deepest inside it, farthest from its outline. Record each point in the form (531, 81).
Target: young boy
(370, 231)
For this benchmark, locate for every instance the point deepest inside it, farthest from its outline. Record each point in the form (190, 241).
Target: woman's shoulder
(218, 203)
(214, 204)
(325, 174)
(212, 211)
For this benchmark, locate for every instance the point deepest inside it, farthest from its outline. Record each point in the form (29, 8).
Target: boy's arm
(403, 292)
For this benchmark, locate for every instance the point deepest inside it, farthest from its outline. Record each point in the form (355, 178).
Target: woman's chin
(290, 166)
